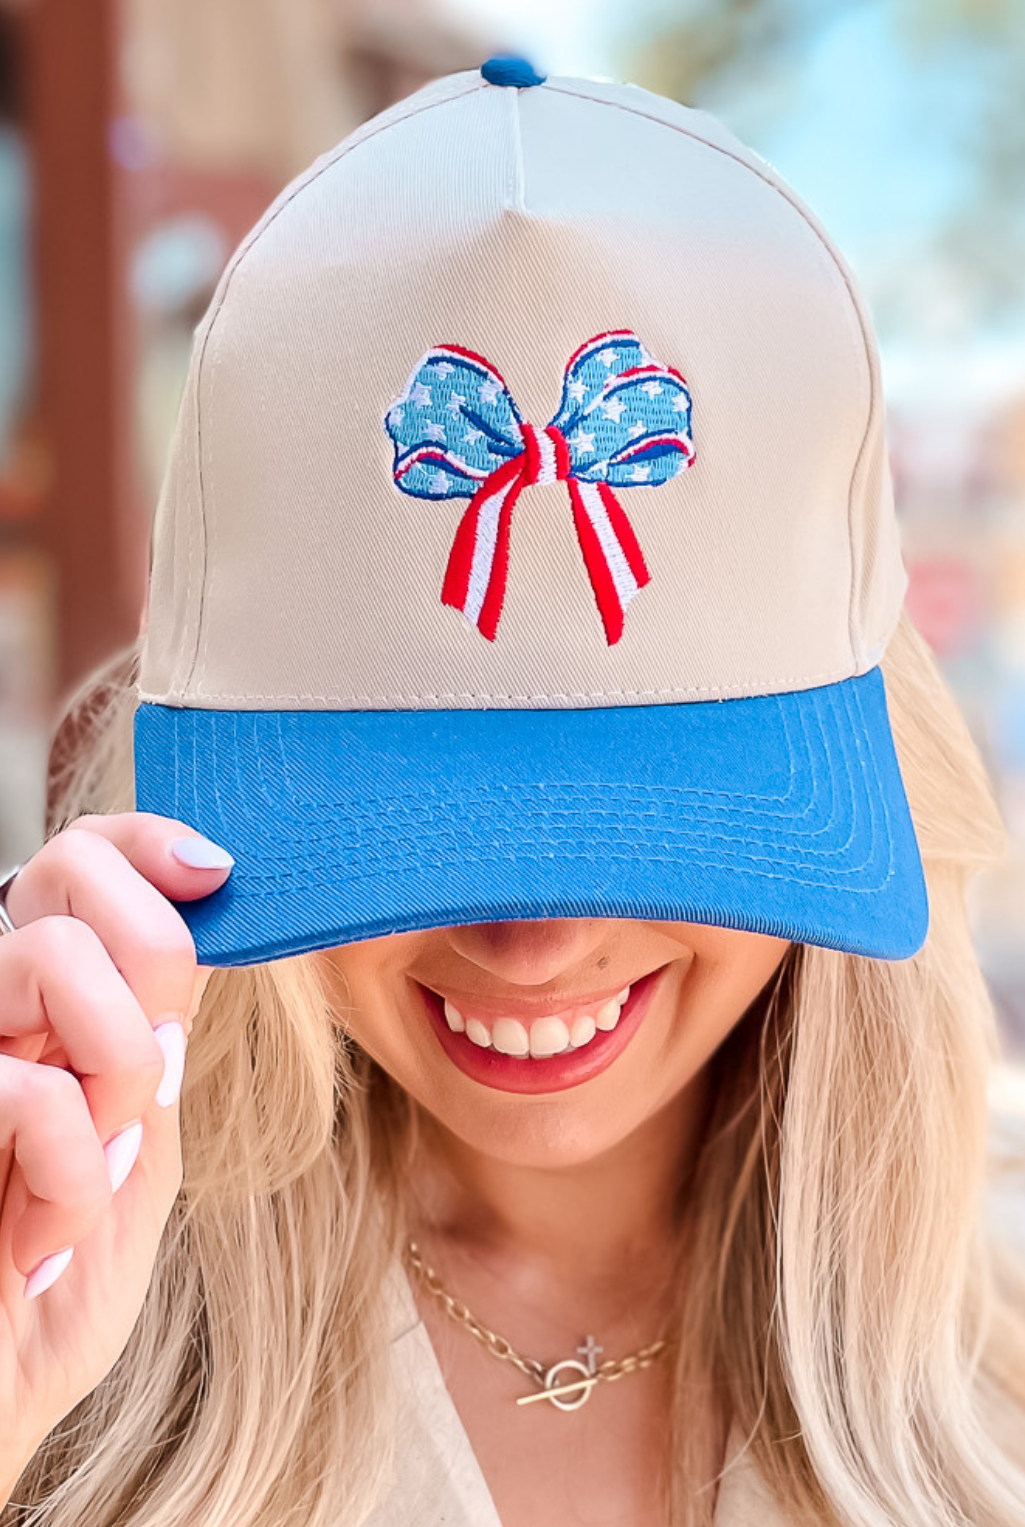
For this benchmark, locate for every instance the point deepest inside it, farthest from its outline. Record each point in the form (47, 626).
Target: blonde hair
(847, 1292)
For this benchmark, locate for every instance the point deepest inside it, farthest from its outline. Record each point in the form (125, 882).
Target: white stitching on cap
(291, 869)
(800, 679)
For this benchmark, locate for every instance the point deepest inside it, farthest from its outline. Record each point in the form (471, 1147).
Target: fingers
(58, 977)
(45, 1119)
(148, 843)
(96, 983)
(69, 1172)
(116, 874)
(146, 840)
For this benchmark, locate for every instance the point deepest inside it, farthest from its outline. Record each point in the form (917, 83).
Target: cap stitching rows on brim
(867, 765)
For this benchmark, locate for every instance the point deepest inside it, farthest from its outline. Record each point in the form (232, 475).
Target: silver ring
(6, 926)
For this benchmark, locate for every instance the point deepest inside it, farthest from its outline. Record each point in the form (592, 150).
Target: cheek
(400, 1045)
(715, 996)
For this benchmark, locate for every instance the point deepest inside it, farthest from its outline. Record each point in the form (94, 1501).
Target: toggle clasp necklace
(551, 1389)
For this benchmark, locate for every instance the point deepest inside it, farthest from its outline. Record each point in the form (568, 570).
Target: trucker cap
(527, 547)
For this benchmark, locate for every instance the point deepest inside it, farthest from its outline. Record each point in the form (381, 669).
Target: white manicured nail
(121, 1151)
(171, 1039)
(200, 854)
(48, 1271)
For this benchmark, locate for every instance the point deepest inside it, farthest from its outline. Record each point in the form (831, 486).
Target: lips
(556, 1073)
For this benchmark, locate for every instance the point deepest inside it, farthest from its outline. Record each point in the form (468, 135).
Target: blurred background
(140, 139)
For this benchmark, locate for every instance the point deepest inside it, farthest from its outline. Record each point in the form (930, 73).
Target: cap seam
(327, 162)
(714, 691)
(518, 201)
(791, 197)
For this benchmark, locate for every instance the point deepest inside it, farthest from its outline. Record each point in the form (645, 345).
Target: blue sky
(868, 139)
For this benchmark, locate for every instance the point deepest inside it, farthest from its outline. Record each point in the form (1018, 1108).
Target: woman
(743, 1155)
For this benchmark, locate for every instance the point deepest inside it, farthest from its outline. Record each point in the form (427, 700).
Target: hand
(99, 985)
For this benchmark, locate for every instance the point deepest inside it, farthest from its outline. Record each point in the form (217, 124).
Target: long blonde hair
(848, 1294)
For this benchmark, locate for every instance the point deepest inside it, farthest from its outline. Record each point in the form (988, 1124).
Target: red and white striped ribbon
(478, 564)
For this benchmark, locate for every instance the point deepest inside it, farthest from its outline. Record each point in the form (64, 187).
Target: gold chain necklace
(547, 1378)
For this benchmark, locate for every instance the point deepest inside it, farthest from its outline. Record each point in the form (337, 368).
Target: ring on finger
(6, 926)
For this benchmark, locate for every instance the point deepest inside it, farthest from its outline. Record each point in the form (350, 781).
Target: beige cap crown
(289, 570)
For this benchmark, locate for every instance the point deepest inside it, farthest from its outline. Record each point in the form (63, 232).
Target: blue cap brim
(781, 814)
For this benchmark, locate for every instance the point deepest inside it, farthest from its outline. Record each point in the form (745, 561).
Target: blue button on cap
(506, 69)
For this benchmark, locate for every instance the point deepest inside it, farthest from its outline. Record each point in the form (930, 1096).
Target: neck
(602, 1231)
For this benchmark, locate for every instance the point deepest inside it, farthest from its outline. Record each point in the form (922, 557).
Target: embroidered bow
(623, 422)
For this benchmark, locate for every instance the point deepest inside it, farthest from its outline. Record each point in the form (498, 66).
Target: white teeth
(545, 1036)
(476, 1031)
(510, 1037)
(608, 1016)
(582, 1032)
(548, 1036)
(454, 1018)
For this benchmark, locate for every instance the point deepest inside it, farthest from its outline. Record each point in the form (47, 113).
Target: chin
(554, 1132)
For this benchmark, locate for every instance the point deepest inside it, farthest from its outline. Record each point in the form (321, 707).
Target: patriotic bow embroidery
(623, 422)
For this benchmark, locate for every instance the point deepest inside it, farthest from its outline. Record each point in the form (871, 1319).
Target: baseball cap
(527, 547)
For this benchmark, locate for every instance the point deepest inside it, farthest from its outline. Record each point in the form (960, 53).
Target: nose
(529, 953)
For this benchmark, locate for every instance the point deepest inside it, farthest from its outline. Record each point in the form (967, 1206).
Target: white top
(438, 1481)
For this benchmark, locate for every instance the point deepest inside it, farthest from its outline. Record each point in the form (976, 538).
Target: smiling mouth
(548, 1052)
(552, 1033)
